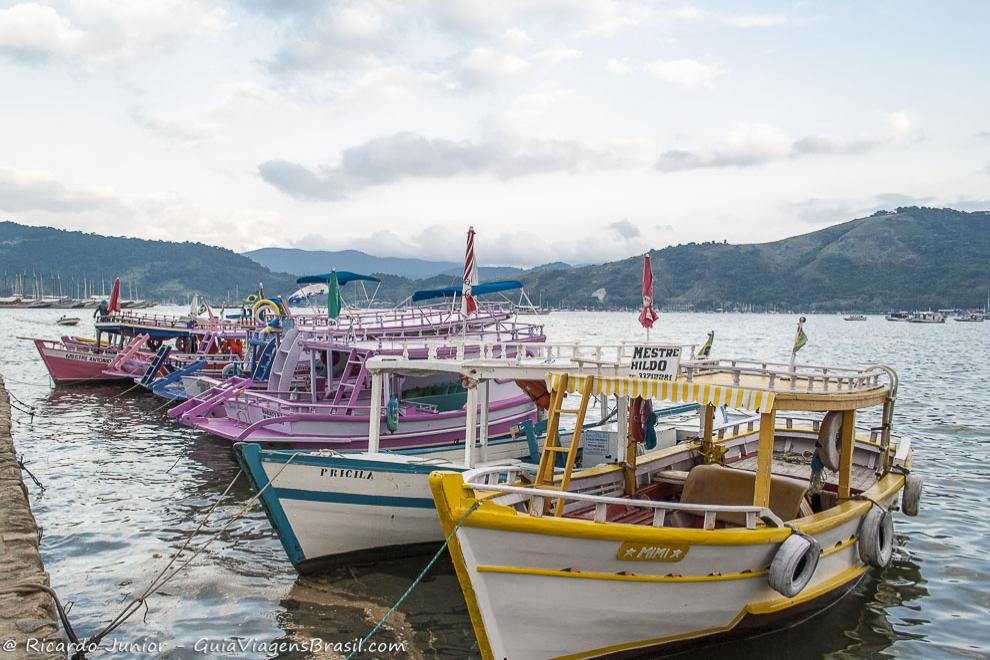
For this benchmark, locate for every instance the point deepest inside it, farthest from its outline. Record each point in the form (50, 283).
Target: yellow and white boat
(741, 531)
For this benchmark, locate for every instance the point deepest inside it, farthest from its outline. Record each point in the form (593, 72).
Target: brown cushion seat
(718, 484)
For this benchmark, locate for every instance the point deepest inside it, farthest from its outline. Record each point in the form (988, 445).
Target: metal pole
(375, 412)
(485, 393)
(471, 426)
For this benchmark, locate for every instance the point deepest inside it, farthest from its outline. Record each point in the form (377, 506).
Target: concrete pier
(28, 621)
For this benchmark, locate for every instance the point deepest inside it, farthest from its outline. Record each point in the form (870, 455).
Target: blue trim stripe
(351, 498)
(305, 458)
(249, 456)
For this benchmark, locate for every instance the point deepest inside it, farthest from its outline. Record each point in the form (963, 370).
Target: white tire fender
(794, 564)
(911, 496)
(876, 538)
(830, 440)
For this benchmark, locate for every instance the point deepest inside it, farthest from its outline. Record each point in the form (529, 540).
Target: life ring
(911, 495)
(182, 344)
(794, 564)
(265, 303)
(830, 440)
(876, 538)
(537, 391)
(640, 411)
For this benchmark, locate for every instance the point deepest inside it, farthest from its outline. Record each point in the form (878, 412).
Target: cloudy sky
(576, 130)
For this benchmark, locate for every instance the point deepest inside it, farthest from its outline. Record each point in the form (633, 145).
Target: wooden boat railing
(499, 479)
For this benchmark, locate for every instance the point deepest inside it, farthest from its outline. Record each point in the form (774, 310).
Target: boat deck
(862, 479)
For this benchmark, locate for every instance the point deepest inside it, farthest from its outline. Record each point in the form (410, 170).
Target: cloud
(484, 65)
(758, 144)
(174, 128)
(687, 72)
(22, 191)
(755, 20)
(403, 155)
(493, 248)
(618, 65)
(99, 31)
(556, 54)
(625, 229)
(516, 37)
(816, 210)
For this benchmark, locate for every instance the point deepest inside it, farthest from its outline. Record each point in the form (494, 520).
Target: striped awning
(679, 391)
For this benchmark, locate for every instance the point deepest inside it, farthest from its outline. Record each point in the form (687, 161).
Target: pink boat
(330, 408)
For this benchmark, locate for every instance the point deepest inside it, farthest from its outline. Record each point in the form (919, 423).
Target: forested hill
(914, 258)
(157, 270)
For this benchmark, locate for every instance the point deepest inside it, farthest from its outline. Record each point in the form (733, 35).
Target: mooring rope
(22, 587)
(418, 579)
(20, 462)
(162, 578)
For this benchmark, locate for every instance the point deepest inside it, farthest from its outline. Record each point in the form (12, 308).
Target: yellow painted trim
(839, 548)
(823, 521)
(586, 575)
(441, 488)
(820, 589)
(496, 516)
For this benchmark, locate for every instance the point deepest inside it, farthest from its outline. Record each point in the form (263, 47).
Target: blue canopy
(343, 277)
(476, 290)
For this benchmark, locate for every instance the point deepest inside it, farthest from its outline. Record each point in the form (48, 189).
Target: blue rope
(418, 579)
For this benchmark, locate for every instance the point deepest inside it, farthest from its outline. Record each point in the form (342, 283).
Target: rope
(21, 587)
(120, 394)
(418, 579)
(20, 462)
(164, 576)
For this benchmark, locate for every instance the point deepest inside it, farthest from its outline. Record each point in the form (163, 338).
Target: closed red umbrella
(468, 304)
(648, 315)
(114, 304)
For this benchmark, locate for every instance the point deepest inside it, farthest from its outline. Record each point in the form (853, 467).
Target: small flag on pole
(800, 339)
(706, 349)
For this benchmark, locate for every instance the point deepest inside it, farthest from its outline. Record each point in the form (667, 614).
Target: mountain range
(304, 262)
(910, 258)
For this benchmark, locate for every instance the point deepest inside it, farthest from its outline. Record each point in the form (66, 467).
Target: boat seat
(717, 484)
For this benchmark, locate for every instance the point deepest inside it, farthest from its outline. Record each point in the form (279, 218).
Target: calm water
(124, 486)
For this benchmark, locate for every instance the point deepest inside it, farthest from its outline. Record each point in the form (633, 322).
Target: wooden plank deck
(863, 478)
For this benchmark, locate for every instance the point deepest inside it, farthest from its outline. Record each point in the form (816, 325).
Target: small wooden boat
(898, 316)
(732, 535)
(972, 317)
(854, 317)
(67, 320)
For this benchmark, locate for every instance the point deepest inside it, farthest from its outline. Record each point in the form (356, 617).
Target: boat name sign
(655, 362)
(635, 551)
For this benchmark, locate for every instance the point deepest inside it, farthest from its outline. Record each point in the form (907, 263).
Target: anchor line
(164, 576)
(20, 462)
(419, 578)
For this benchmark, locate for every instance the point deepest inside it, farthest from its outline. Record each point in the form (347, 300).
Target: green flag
(800, 339)
(333, 296)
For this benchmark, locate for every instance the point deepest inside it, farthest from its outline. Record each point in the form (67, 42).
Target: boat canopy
(343, 277)
(476, 290)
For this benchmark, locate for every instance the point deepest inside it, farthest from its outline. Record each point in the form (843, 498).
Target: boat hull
(332, 509)
(66, 366)
(540, 588)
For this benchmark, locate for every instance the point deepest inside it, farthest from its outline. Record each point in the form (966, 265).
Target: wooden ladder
(551, 447)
